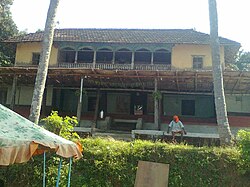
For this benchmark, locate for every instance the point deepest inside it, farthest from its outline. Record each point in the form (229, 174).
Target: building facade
(126, 79)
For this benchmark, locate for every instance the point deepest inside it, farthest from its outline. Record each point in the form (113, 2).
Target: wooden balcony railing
(115, 66)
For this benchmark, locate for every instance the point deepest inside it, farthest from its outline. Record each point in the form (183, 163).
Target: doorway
(138, 103)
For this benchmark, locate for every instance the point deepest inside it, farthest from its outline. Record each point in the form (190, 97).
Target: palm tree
(43, 62)
(219, 96)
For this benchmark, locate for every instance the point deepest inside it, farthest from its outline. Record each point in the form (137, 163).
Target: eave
(170, 81)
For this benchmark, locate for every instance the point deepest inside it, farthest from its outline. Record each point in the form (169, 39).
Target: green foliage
(62, 126)
(108, 163)
(8, 29)
(157, 95)
(243, 61)
(4, 60)
(243, 57)
(114, 163)
(30, 174)
(244, 147)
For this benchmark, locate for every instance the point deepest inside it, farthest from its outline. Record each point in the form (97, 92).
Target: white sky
(233, 15)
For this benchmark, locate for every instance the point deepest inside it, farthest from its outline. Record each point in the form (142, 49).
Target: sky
(233, 15)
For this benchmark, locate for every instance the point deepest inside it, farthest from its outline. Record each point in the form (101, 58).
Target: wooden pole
(160, 112)
(96, 111)
(156, 108)
(79, 106)
(13, 93)
(76, 56)
(152, 58)
(113, 58)
(133, 60)
(94, 59)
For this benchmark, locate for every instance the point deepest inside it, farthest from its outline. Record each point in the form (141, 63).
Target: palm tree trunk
(43, 62)
(219, 96)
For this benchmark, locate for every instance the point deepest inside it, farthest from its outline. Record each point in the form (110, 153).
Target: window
(197, 62)
(35, 58)
(85, 55)
(67, 55)
(162, 56)
(123, 56)
(142, 56)
(188, 107)
(104, 56)
(238, 98)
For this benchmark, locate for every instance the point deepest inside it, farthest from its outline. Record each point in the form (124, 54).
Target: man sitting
(176, 127)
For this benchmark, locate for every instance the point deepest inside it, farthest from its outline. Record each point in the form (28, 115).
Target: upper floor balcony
(122, 59)
(154, 59)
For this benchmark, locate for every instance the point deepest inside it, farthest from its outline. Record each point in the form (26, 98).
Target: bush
(114, 163)
(62, 126)
(244, 147)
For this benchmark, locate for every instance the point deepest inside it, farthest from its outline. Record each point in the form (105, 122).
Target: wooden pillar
(156, 108)
(133, 60)
(79, 105)
(113, 59)
(152, 58)
(160, 112)
(96, 111)
(94, 59)
(13, 92)
(76, 56)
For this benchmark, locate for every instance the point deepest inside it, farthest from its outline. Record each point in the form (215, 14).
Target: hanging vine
(157, 95)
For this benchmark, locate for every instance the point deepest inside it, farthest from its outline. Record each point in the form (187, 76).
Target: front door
(138, 103)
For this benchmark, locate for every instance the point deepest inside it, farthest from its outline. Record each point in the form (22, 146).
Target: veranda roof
(20, 139)
(169, 81)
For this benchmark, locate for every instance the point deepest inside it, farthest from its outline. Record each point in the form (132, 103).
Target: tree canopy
(244, 57)
(243, 61)
(7, 29)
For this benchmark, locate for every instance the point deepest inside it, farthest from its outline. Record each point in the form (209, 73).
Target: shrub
(114, 163)
(62, 126)
(244, 147)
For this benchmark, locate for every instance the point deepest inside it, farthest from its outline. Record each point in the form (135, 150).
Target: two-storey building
(133, 78)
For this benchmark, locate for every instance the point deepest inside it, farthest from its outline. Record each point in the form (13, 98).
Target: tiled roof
(171, 36)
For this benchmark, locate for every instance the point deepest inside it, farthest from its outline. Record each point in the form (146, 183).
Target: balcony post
(94, 59)
(133, 60)
(152, 58)
(76, 56)
(113, 59)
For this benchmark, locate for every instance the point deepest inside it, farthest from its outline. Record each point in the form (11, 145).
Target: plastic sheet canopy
(20, 139)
